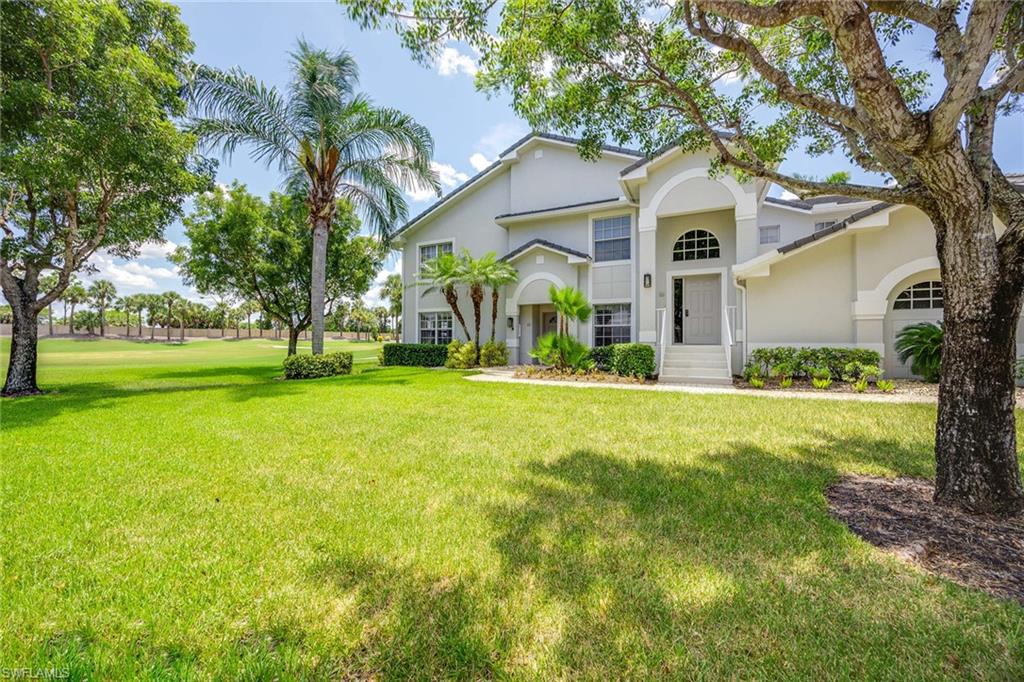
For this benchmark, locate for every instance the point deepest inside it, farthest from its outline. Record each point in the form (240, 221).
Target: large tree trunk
(321, 230)
(293, 340)
(21, 368)
(976, 465)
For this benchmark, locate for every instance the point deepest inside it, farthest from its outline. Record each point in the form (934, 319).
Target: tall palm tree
(74, 295)
(475, 274)
(500, 274)
(138, 303)
(331, 141)
(124, 304)
(570, 304)
(102, 293)
(393, 291)
(444, 274)
(172, 302)
(155, 307)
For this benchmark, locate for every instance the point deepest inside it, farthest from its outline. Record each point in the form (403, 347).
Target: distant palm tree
(46, 284)
(393, 291)
(570, 304)
(74, 295)
(138, 303)
(172, 302)
(102, 293)
(500, 274)
(332, 142)
(124, 304)
(155, 307)
(444, 274)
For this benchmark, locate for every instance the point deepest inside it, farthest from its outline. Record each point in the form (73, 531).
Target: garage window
(921, 296)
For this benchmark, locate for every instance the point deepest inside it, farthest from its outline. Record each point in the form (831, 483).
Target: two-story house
(701, 267)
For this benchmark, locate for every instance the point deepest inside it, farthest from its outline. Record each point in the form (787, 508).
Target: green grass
(180, 512)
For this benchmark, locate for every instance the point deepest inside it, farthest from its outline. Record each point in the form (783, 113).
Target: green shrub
(563, 352)
(602, 357)
(461, 355)
(756, 382)
(494, 354)
(633, 360)
(921, 343)
(821, 384)
(413, 355)
(1018, 370)
(314, 366)
(861, 385)
(885, 385)
(856, 371)
(785, 382)
(797, 363)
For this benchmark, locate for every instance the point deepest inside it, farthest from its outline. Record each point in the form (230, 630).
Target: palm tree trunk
(71, 321)
(453, 302)
(248, 323)
(139, 312)
(103, 322)
(49, 314)
(321, 229)
(169, 318)
(494, 312)
(476, 294)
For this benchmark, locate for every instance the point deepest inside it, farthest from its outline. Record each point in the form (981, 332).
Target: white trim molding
(874, 303)
(746, 204)
(512, 302)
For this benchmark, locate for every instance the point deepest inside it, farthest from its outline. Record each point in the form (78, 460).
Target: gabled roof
(838, 227)
(564, 207)
(811, 202)
(544, 243)
(494, 166)
(725, 135)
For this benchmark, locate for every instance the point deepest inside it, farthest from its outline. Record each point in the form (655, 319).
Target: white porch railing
(662, 337)
(727, 327)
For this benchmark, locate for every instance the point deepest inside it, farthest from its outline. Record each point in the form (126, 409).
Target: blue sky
(469, 128)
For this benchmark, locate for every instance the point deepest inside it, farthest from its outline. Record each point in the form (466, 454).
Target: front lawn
(181, 512)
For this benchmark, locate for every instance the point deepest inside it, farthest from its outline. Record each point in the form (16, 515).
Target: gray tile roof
(810, 202)
(555, 208)
(725, 135)
(838, 227)
(544, 242)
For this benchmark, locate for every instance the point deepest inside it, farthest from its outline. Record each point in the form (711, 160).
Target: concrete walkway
(503, 375)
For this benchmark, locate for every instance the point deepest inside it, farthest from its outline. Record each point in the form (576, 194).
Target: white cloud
(451, 62)
(132, 275)
(374, 296)
(478, 161)
(150, 271)
(447, 175)
(157, 250)
(789, 196)
(500, 137)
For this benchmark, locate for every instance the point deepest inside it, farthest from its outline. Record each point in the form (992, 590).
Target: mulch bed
(898, 515)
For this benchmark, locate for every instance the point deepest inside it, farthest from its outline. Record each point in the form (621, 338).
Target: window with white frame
(436, 328)
(431, 251)
(769, 234)
(921, 296)
(696, 245)
(612, 324)
(612, 239)
(823, 225)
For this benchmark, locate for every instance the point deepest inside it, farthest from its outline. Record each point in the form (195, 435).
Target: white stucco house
(704, 269)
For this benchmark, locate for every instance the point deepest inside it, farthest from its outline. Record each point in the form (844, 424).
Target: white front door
(699, 309)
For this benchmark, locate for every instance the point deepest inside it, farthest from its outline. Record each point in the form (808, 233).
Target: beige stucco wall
(559, 177)
(908, 237)
(721, 223)
(569, 231)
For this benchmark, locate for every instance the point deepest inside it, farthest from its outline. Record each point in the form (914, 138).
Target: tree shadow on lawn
(732, 567)
(237, 384)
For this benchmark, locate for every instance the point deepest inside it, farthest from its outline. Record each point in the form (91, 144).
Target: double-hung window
(769, 234)
(431, 251)
(611, 324)
(612, 239)
(436, 328)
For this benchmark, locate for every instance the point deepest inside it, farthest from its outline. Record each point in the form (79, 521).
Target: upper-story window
(921, 296)
(823, 225)
(612, 239)
(431, 251)
(769, 234)
(696, 245)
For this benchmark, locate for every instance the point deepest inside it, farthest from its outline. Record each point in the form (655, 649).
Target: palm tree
(172, 301)
(475, 274)
(443, 274)
(392, 292)
(570, 304)
(154, 306)
(331, 141)
(102, 293)
(46, 284)
(74, 295)
(125, 305)
(500, 274)
(138, 303)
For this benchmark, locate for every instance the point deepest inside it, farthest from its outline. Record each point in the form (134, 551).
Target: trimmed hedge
(315, 366)
(633, 359)
(413, 354)
(802, 362)
(625, 359)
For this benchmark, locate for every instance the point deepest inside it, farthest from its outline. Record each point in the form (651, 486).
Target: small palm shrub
(315, 366)
(494, 354)
(886, 385)
(785, 382)
(822, 384)
(821, 377)
(860, 385)
(756, 382)
(921, 344)
(563, 352)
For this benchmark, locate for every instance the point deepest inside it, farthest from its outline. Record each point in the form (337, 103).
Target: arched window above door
(696, 245)
(920, 296)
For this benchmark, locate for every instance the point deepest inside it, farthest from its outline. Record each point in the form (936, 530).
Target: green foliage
(819, 373)
(857, 371)
(461, 355)
(315, 366)
(563, 352)
(784, 361)
(756, 382)
(633, 359)
(821, 383)
(494, 354)
(921, 343)
(570, 304)
(251, 249)
(1018, 369)
(602, 357)
(786, 382)
(414, 354)
(860, 385)
(886, 385)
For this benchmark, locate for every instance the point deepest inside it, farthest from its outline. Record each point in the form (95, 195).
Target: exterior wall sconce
(511, 323)
(647, 280)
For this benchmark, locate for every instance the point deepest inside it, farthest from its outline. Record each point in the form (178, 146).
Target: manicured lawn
(179, 512)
